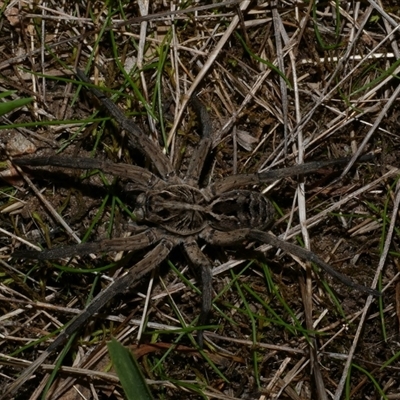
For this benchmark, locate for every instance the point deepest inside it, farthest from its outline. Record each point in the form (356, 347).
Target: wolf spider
(175, 211)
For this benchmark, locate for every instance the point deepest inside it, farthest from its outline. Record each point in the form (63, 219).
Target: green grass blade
(58, 365)
(372, 379)
(261, 60)
(318, 36)
(12, 104)
(129, 372)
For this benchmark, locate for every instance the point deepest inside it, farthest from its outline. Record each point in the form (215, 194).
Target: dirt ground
(284, 83)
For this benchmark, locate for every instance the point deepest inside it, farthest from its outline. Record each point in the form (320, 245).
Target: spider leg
(197, 161)
(132, 243)
(136, 137)
(197, 257)
(141, 177)
(219, 238)
(305, 254)
(120, 285)
(229, 238)
(236, 181)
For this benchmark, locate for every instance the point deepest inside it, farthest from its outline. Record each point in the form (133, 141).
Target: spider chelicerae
(175, 211)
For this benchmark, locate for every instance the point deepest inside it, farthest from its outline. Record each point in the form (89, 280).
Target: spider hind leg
(197, 257)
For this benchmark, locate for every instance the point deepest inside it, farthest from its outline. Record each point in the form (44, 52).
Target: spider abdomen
(239, 209)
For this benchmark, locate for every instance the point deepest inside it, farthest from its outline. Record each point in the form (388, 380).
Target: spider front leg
(136, 137)
(236, 181)
(197, 162)
(141, 177)
(132, 243)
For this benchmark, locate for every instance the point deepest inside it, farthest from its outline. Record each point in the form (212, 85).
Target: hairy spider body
(175, 211)
(184, 210)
